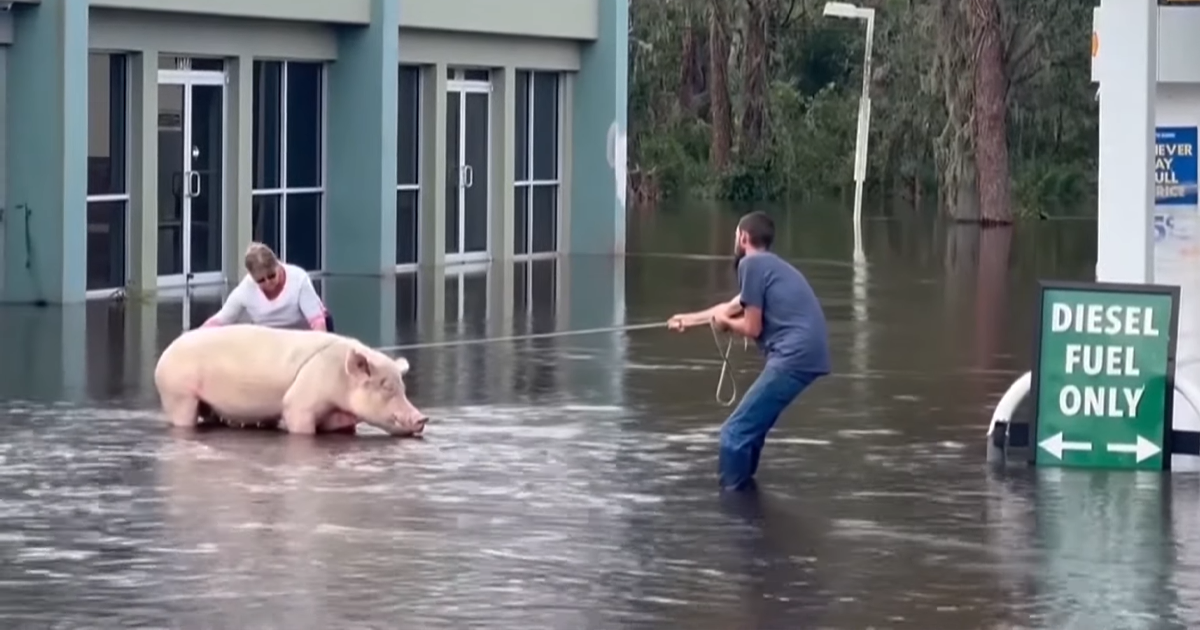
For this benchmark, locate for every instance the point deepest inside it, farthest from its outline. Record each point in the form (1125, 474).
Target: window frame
(526, 186)
(126, 197)
(419, 140)
(284, 190)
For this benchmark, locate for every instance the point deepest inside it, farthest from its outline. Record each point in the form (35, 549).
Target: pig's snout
(411, 423)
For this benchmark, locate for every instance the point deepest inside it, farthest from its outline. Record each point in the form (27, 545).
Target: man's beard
(738, 255)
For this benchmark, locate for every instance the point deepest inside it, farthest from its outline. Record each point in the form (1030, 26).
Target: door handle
(470, 172)
(194, 183)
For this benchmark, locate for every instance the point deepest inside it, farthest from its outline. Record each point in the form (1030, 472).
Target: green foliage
(920, 86)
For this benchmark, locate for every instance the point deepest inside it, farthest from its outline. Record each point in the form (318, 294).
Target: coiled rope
(723, 353)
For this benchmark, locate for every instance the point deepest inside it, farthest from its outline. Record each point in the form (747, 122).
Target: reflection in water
(569, 482)
(991, 310)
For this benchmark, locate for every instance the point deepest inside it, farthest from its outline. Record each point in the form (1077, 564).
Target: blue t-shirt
(794, 336)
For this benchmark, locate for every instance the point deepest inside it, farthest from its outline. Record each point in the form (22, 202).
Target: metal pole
(862, 140)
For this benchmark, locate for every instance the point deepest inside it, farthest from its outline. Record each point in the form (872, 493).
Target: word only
(1101, 360)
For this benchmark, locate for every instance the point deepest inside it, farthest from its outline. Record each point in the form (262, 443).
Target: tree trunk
(722, 118)
(691, 67)
(755, 60)
(990, 109)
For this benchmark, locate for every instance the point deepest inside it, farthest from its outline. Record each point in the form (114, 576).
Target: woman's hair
(260, 258)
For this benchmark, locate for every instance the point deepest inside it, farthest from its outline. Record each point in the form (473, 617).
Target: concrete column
(431, 244)
(364, 308)
(503, 126)
(143, 173)
(46, 212)
(567, 172)
(431, 303)
(361, 209)
(1125, 228)
(141, 343)
(52, 346)
(598, 115)
(3, 161)
(239, 152)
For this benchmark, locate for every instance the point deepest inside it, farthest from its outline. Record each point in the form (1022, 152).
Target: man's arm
(230, 310)
(753, 280)
(730, 309)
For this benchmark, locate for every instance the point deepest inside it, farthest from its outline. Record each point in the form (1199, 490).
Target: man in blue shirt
(778, 309)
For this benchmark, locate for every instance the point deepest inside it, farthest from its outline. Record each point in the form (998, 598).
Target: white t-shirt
(295, 305)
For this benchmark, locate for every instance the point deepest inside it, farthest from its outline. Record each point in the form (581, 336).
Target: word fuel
(1101, 360)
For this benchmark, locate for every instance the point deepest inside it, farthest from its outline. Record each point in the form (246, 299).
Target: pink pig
(307, 381)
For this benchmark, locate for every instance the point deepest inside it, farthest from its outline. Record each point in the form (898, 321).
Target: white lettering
(1069, 400)
(1112, 315)
(1094, 315)
(1093, 401)
(1073, 356)
(1100, 402)
(1133, 397)
(1096, 319)
(1148, 328)
(1060, 319)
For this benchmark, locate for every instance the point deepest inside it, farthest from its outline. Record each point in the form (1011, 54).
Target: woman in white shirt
(275, 294)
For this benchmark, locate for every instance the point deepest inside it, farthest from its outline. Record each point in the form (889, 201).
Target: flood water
(570, 483)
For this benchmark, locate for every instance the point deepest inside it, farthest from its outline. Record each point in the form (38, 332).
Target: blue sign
(1175, 173)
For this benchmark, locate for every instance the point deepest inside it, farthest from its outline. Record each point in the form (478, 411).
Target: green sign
(1103, 377)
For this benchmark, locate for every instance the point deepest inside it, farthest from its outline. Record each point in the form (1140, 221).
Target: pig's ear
(357, 364)
(402, 363)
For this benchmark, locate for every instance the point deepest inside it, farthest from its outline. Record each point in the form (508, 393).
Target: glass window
(408, 126)
(521, 129)
(288, 208)
(521, 220)
(107, 128)
(536, 153)
(268, 121)
(304, 96)
(303, 227)
(106, 245)
(544, 217)
(208, 63)
(265, 221)
(106, 241)
(545, 126)
(406, 226)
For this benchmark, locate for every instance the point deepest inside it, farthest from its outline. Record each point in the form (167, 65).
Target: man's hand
(722, 322)
(678, 323)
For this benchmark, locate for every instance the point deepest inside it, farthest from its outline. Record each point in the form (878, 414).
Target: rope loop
(726, 370)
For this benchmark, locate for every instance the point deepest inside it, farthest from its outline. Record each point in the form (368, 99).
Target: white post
(1128, 82)
(862, 140)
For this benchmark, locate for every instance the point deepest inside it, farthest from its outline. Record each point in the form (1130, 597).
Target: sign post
(1103, 375)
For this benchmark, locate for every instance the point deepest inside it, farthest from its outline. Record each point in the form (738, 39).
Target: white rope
(549, 335)
(726, 371)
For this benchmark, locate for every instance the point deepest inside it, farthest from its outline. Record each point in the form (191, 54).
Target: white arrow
(1055, 445)
(1142, 450)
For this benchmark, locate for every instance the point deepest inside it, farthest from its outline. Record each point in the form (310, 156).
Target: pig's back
(241, 369)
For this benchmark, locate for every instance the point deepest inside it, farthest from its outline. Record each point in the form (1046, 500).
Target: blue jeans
(745, 432)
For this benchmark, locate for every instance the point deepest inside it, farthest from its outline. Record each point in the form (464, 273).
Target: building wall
(361, 42)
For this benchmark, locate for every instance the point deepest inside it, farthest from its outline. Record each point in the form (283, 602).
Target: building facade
(147, 141)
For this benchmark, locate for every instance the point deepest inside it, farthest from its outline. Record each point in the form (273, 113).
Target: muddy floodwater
(569, 482)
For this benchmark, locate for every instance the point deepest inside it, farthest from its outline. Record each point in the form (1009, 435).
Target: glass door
(468, 166)
(191, 182)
